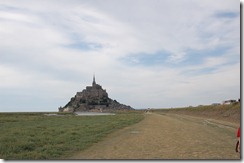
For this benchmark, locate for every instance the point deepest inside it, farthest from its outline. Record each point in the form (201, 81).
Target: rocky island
(94, 99)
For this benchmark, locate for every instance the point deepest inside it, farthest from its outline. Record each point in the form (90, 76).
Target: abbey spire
(94, 81)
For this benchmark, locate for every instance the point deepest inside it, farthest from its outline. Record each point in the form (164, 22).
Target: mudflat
(168, 136)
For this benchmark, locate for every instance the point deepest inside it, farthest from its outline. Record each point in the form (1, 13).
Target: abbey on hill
(93, 98)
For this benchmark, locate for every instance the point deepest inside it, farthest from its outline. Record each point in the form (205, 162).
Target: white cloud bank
(162, 53)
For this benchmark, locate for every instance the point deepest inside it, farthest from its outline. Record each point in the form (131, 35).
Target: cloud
(146, 54)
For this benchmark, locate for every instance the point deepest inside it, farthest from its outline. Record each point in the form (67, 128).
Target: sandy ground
(168, 136)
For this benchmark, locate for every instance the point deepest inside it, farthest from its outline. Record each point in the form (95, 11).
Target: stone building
(93, 98)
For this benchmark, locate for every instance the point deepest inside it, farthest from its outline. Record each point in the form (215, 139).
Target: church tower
(94, 82)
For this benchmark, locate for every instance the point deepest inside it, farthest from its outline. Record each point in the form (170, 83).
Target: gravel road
(168, 136)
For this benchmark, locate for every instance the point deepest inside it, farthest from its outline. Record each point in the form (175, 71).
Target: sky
(146, 54)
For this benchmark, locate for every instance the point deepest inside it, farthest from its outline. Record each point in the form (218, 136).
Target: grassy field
(37, 136)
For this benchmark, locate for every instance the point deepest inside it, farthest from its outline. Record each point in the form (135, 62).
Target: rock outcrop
(93, 98)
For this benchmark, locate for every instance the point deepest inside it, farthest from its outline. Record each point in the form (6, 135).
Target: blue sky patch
(84, 46)
(195, 57)
(227, 14)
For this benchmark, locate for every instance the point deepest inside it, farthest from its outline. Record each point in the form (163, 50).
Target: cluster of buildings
(94, 98)
(227, 102)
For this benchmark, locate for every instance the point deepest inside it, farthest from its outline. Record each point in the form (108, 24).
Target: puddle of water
(134, 132)
(53, 115)
(91, 113)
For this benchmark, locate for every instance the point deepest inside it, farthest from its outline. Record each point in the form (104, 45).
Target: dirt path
(168, 137)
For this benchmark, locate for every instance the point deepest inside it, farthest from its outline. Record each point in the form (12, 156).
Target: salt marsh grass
(37, 136)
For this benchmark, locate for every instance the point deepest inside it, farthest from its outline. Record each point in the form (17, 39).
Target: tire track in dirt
(165, 137)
